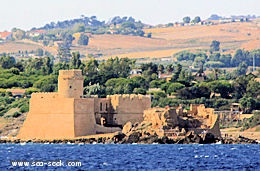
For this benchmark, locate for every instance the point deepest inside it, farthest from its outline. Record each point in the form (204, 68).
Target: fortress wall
(129, 107)
(84, 119)
(42, 103)
(50, 117)
(130, 104)
(47, 126)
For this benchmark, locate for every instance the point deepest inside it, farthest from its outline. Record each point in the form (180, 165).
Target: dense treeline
(217, 60)
(113, 77)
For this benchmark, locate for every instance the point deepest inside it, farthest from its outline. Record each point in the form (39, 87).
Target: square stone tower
(70, 84)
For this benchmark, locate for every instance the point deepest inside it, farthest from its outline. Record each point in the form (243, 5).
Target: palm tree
(216, 72)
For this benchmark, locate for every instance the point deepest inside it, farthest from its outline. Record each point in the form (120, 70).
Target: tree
(18, 33)
(240, 85)
(186, 19)
(83, 39)
(60, 66)
(149, 35)
(39, 52)
(92, 89)
(214, 46)
(247, 104)
(239, 57)
(119, 86)
(177, 72)
(214, 57)
(139, 91)
(75, 61)
(197, 19)
(79, 27)
(216, 72)
(7, 62)
(140, 82)
(221, 86)
(253, 89)
(174, 87)
(226, 59)
(241, 69)
(46, 84)
(91, 72)
(156, 83)
(114, 68)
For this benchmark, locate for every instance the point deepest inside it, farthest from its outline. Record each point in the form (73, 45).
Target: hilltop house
(5, 36)
(36, 33)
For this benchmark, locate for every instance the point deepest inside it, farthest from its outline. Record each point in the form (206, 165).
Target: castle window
(106, 106)
(70, 86)
(100, 106)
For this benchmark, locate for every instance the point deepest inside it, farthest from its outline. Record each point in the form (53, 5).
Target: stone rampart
(129, 107)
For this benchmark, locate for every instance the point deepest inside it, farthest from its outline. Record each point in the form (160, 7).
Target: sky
(26, 14)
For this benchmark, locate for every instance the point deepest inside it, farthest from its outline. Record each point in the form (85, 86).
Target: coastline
(120, 138)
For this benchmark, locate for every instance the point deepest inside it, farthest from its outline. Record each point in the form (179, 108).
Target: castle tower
(70, 83)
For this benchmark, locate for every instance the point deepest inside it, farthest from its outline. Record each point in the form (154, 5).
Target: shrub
(16, 114)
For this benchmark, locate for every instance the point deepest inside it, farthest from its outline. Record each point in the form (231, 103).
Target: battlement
(70, 74)
(127, 97)
(45, 95)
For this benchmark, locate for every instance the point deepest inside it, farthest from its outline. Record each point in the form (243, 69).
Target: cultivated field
(164, 42)
(167, 41)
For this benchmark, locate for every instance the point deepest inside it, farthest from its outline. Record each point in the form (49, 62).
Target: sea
(31, 156)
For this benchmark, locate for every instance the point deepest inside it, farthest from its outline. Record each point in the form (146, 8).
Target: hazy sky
(26, 14)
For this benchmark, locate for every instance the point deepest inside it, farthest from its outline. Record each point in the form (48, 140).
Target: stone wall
(84, 118)
(50, 116)
(129, 107)
(160, 117)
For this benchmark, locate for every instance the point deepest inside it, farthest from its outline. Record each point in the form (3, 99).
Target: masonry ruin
(67, 114)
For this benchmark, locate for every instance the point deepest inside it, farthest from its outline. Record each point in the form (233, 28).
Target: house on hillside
(17, 93)
(5, 36)
(135, 73)
(36, 33)
(166, 77)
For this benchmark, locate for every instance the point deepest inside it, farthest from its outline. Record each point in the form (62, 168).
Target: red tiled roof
(39, 31)
(135, 75)
(16, 91)
(5, 34)
(165, 75)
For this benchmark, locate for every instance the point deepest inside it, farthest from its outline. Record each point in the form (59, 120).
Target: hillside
(164, 41)
(167, 41)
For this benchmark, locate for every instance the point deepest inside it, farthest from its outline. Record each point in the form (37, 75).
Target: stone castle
(67, 114)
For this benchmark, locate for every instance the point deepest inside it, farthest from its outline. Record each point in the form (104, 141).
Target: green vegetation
(102, 78)
(215, 59)
(83, 39)
(252, 122)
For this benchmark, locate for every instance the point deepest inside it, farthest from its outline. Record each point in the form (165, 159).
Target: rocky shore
(138, 138)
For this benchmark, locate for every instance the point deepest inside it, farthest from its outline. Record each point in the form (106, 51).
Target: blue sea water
(131, 157)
